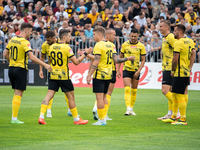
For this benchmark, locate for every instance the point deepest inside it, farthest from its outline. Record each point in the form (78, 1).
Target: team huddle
(178, 55)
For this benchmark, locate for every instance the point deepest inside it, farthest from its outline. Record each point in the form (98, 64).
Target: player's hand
(131, 58)
(119, 74)
(48, 67)
(41, 74)
(88, 79)
(88, 50)
(172, 75)
(137, 73)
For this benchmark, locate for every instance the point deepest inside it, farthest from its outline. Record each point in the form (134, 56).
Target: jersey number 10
(13, 52)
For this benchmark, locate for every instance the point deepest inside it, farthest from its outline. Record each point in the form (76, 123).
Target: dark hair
(140, 13)
(137, 3)
(100, 30)
(25, 25)
(50, 34)
(63, 32)
(169, 13)
(181, 28)
(161, 17)
(35, 33)
(182, 14)
(166, 22)
(134, 30)
(39, 14)
(148, 3)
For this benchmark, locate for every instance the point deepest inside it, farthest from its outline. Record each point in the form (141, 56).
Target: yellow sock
(15, 105)
(106, 109)
(95, 104)
(127, 96)
(67, 101)
(101, 113)
(170, 100)
(74, 112)
(186, 98)
(181, 105)
(133, 97)
(174, 106)
(43, 109)
(50, 104)
(108, 97)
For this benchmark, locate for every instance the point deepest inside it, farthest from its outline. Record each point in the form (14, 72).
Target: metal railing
(78, 44)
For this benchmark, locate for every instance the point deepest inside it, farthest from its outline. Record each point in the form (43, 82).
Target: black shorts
(113, 80)
(100, 86)
(179, 84)
(129, 74)
(66, 85)
(167, 78)
(18, 78)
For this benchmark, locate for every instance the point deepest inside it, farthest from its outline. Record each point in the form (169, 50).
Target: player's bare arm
(38, 61)
(192, 58)
(77, 61)
(41, 71)
(121, 60)
(174, 62)
(94, 66)
(119, 65)
(137, 73)
(6, 55)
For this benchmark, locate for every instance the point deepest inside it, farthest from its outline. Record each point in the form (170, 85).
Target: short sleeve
(27, 46)
(172, 40)
(8, 46)
(114, 49)
(123, 49)
(97, 49)
(43, 51)
(177, 46)
(143, 51)
(70, 52)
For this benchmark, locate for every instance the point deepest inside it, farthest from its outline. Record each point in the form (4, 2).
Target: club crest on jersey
(133, 46)
(29, 46)
(70, 51)
(114, 49)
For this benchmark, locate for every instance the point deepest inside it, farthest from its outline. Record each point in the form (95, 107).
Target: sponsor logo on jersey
(29, 46)
(133, 46)
(71, 51)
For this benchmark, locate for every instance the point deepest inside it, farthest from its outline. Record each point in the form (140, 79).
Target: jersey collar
(166, 35)
(133, 43)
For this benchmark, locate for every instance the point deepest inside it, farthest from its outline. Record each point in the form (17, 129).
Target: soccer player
(167, 55)
(183, 60)
(110, 36)
(101, 68)
(60, 54)
(17, 53)
(50, 39)
(131, 69)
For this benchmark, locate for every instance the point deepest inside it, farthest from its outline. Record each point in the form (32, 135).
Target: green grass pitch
(143, 131)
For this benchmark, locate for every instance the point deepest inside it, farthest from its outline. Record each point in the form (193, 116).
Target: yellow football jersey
(167, 51)
(113, 63)
(183, 46)
(18, 48)
(106, 50)
(59, 53)
(46, 46)
(129, 49)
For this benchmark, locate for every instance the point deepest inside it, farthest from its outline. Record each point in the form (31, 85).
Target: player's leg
(44, 105)
(68, 88)
(127, 96)
(49, 115)
(134, 86)
(69, 113)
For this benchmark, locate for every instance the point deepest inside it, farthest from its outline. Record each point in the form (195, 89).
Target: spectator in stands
(161, 9)
(184, 22)
(12, 12)
(126, 31)
(133, 23)
(2, 44)
(36, 11)
(151, 11)
(85, 20)
(19, 20)
(22, 9)
(16, 28)
(110, 4)
(172, 20)
(135, 10)
(157, 4)
(36, 44)
(46, 9)
(94, 5)
(119, 35)
(126, 17)
(180, 16)
(11, 32)
(116, 6)
(105, 16)
(144, 4)
(51, 20)
(117, 16)
(41, 26)
(175, 14)
(126, 5)
(81, 3)
(57, 8)
(89, 5)
(102, 7)
(187, 7)
(143, 10)
(1, 8)
(69, 9)
(5, 29)
(39, 18)
(156, 47)
(188, 28)
(7, 7)
(141, 19)
(93, 15)
(141, 32)
(77, 26)
(149, 31)
(148, 22)
(189, 13)
(25, 17)
(197, 26)
(30, 10)
(148, 49)
(192, 21)
(198, 9)
(5, 17)
(89, 30)
(109, 23)
(64, 26)
(61, 12)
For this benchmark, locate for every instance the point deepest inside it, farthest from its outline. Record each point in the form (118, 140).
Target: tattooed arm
(174, 62)
(120, 60)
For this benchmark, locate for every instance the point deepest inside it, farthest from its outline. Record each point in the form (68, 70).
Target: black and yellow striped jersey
(18, 48)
